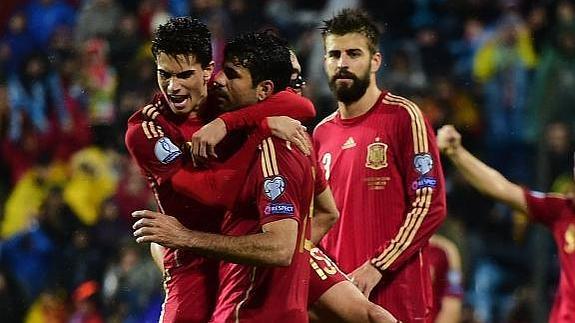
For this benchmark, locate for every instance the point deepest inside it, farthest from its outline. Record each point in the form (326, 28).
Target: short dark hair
(264, 54)
(183, 35)
(353, 21)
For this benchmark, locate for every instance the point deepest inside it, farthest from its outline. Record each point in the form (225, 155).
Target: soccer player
(382, 164)
(332, 296)
(555, 211)
(154, 138)
(445, 266)
(265, 274)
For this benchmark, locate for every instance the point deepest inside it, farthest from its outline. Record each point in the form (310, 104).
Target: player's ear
(208, 70)
(376, 60)
(264, 89)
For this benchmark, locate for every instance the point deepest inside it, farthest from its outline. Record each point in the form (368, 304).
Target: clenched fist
(448, 139)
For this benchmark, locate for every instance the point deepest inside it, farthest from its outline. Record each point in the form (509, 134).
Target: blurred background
(72, 72)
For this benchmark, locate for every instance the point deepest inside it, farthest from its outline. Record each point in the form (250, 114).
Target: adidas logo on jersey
(349, 143)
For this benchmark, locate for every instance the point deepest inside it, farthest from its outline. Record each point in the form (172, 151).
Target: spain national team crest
(376, 155)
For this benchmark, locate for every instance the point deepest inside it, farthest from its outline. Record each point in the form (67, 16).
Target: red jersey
(324, 273)
(155, 146)
(279, 186)
(154, 138)
(384, 170)
(445, 281)
(558, 214)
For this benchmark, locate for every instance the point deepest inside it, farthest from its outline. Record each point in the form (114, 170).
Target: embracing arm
(284, 103)
(274, 246)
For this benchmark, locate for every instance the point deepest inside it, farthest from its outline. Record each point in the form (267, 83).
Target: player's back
(279, 186)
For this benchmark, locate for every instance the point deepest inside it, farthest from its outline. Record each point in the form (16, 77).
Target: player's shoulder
(142, 129)
(148, 112)
(280, 151)
(325, 122)
(398, 105)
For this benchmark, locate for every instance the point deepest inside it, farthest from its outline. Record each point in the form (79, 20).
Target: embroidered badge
(424, 181)
(376, 155)
(274, 187)
(423, 163)
(166, 151)
(279, 209)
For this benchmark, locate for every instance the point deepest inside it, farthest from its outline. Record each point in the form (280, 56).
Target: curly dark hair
(264, 54)
(353, 21)
(183, 35)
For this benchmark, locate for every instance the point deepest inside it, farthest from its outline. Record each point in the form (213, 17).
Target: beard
(349, 93)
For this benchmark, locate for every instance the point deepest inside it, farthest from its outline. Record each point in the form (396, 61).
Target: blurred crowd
(73, 71)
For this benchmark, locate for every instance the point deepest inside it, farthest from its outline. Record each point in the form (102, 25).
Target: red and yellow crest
(376, 155)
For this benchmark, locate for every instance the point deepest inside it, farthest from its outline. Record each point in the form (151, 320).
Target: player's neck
(361, 106)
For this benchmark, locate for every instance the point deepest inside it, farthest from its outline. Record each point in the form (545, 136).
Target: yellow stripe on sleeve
(146, 130)
(273, 159)
(152, 128)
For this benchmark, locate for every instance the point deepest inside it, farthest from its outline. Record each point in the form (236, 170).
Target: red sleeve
(320, 181)
(156, 155)
(220, 184)
(423, 180)
(281, 183)
(284, 103)
(544, 208)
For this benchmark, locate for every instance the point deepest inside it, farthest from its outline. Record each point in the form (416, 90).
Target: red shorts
(324, 274)
(190, 293)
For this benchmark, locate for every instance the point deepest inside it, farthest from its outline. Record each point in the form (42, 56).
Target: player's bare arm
(272, 247)
(485, 179)
(325, 214)
(344, 303)
(157, 253)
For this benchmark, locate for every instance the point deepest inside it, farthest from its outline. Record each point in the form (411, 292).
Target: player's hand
(448, 139)
(204, 141)
(365, 278)
(291, 130)
(159, 228)
(152, 112)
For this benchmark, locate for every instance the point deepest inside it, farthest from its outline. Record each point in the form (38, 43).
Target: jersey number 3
(326, 161)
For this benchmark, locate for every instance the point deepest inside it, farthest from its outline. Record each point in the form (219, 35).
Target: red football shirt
(385, 173)
(191, 280)
(279, 186)
(445, 282)
(154, 138)
(558, 214)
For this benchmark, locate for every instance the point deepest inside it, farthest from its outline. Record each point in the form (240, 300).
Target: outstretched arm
(485, 179)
